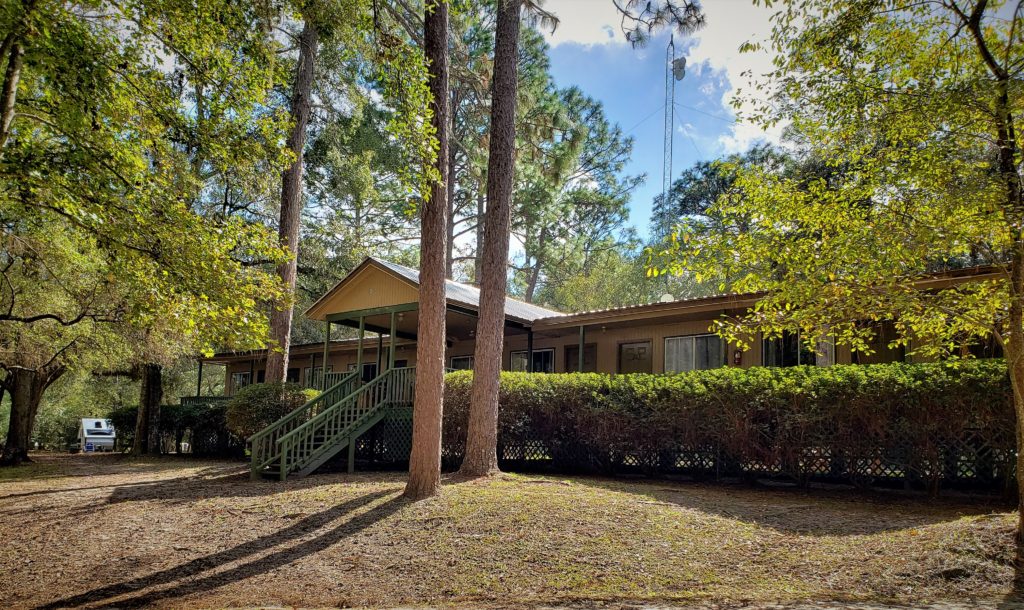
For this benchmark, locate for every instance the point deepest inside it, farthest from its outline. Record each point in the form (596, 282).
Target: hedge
(201, 425)
(256, 406)
(913, 424)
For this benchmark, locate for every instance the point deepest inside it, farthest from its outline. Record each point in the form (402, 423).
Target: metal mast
(670, 95)
(675, 70)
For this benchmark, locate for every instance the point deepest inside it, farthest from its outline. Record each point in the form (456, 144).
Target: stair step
(354, 418)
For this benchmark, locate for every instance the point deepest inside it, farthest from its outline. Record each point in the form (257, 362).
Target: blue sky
(588, 50)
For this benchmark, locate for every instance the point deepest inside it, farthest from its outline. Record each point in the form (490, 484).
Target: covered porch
(380, 298)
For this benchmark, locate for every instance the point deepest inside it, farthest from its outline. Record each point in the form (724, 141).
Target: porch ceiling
(459, 325)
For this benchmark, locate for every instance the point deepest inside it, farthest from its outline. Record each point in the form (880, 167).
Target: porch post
(323, 366)
(359, 349)
(529, 350)
(380, 352)
(391, 347)
(583, 336)
(199, 382)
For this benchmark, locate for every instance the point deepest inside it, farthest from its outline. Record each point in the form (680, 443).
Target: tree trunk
(26, 387)
(425, 459)
(482, 434)
(481, 213)
(9, 92)
(1009, 150)
(147, 423)
(291, 203)
(531, 287)
(449, 261)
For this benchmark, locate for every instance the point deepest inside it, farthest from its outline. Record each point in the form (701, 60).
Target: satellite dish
(679, 68)
(666, 298)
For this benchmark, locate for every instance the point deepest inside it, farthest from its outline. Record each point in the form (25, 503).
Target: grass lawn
(105, 530)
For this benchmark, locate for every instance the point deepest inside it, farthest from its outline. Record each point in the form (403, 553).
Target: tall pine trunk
(481, 213)
(482, 435)
(291, 202)
(425, 459)
(531, 286)
(449, 262)
(147, 423)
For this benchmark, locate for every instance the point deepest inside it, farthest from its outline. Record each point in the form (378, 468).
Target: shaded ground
(95, 531)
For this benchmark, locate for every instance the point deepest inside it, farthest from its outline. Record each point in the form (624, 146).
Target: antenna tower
(675, 70)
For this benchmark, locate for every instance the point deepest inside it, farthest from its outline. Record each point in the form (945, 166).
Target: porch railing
(264, 444)
(308, 444)
(189, 401)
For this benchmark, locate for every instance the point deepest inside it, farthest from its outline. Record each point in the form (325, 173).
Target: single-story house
(378, 299)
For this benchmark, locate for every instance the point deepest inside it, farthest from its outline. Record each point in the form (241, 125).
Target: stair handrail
(324, 400)
(362, 389)
(289, 440)
(309, 404)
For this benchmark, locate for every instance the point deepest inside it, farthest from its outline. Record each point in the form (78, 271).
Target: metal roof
(464, 294)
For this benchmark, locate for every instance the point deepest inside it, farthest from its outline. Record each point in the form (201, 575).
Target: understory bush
(198, 428)
(255, 407)
(919, 424)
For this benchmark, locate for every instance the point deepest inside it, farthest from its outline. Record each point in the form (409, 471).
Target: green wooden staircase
(302, 441)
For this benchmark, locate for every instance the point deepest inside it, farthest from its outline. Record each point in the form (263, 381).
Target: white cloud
(586, 22)
(730, 23)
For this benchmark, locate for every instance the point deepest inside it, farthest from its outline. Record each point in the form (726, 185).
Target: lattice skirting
(966, 463)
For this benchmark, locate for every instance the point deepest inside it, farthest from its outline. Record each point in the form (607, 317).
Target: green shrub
(123, 419)
(201, 424)
(911, 422)
(257, 406)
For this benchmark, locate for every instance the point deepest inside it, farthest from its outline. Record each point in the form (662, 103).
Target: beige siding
(607, 341)
(371, 287)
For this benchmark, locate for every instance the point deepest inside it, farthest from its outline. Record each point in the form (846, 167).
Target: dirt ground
(107, 531)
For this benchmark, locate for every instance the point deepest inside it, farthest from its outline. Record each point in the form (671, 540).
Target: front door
(635, 357)
(369, 371)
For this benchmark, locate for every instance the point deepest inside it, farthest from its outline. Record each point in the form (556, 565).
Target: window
(462, 363)
(240, 380)
(401, 364)
(572, 358)
(881, 350)
(694, 352)
(543, 361)
(982, 347)
(635, 357)
(791, 350)
(293, 375)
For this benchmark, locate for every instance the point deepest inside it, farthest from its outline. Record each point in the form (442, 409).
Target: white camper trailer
(96, 434)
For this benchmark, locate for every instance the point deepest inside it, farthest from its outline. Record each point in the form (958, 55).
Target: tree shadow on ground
(1014, 598)
(205, 473)
(201, 575)
(801, 511)
(231, 481)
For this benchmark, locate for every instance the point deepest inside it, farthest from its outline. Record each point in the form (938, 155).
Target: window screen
(694, 352)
